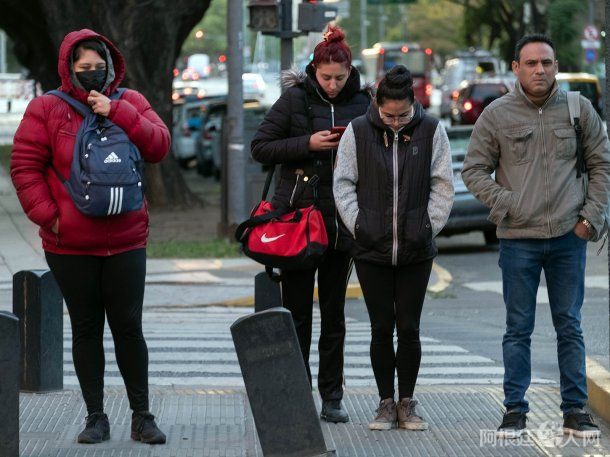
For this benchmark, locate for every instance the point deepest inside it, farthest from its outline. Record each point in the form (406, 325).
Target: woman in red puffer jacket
(99, 263)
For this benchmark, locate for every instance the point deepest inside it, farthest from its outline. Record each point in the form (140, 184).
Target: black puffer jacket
(283, 138)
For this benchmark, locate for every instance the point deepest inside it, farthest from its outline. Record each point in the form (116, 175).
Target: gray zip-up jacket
(532, 150)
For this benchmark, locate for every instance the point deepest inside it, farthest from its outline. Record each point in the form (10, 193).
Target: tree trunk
(149, 33)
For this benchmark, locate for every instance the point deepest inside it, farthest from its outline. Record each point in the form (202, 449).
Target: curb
(598, 386)
(353, 292)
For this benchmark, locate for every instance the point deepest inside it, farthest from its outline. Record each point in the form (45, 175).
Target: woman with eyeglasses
(393, 188)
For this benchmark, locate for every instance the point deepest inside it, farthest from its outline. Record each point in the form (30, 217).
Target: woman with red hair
(296, 134)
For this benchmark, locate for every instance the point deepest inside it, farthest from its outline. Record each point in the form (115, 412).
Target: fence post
(9, 384)
(38, 303)
(267, 292)
(278, 388)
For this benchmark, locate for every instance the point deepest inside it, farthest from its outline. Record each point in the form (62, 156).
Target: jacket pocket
(417, 229)
(518, 141)
(368, 231)
(505, 205)
(565, 143)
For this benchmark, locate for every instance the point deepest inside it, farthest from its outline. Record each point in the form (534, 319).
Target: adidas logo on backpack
(112, 158)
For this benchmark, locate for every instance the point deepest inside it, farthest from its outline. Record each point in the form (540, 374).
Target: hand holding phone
(338, 129)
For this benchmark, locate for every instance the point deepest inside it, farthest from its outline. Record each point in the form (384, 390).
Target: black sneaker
(580, 424)
(144, 428)
(332, 411)
(96, 430)
(513, 425)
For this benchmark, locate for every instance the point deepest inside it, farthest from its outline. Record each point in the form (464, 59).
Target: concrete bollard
(38, 303)
(267, 293)
(9, 384)
(278, 389)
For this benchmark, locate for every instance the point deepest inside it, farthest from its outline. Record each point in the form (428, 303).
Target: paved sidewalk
(218, 422)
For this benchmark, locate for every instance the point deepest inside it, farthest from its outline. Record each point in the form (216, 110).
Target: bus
(377, 60)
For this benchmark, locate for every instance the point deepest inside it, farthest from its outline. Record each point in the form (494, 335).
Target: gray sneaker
(385, 416)
(407, 418)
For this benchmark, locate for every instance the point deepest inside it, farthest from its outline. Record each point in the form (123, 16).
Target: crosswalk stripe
(193, 347)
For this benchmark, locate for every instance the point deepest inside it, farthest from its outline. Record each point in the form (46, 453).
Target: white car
(254, 86)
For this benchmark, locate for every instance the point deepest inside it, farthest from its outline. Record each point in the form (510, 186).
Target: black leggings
(394, 297)
(92, 288)
(297, 296)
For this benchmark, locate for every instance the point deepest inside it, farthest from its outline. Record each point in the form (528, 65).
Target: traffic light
(265, 16)
(314, 15)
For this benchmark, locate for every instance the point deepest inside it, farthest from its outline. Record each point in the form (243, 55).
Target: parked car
(254, 86)
(186, 125)
(587, 84)
(474, 96)
(209, 141)
(467, 214)
(466, 65)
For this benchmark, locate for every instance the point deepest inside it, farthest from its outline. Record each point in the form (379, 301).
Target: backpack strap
(80, 108)
(574, 106)
(574, 109)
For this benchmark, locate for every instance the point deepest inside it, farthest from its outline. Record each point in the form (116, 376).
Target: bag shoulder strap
(574, 107)
(80, 108)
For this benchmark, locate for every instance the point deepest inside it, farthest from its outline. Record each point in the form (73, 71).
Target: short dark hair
(397, 84)
(92, 45)
(534, 38)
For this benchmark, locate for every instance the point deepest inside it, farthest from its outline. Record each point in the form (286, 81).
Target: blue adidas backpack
(105, 177)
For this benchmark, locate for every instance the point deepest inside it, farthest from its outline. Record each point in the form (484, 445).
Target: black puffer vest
(283, 138)
(393, 227)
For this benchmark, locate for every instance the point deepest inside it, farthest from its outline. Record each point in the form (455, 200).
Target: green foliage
(566, 21)
(214, 26)
(430, 22)
(184, 249)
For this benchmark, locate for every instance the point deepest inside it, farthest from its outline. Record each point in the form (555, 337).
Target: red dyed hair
(334, 48)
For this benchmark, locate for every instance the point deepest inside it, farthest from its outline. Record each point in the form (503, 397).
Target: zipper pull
(540, 111)
(385, 139)
(296, 184)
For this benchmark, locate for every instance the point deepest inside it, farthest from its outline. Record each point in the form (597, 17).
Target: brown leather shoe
(385, 416)
(407, 418)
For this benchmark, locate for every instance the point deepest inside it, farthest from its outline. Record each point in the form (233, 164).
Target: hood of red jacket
(64, 65)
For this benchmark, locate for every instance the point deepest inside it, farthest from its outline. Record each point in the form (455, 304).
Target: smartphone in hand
(338, 129)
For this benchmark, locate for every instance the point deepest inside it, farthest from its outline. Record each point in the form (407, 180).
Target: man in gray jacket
(546, 206)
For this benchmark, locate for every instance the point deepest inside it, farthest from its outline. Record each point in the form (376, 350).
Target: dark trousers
(94, 287)
(394, 297)
(297, 296)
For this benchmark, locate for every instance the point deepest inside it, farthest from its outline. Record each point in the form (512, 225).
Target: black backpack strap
(268, 182)
(574, 110)
(80, 108)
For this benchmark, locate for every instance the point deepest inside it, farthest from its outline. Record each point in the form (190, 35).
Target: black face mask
(91, 80)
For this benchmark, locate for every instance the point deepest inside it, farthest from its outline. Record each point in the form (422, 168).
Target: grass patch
(5, 156)
(181, 249)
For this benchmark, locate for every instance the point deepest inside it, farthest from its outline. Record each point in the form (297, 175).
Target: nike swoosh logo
(264, 238)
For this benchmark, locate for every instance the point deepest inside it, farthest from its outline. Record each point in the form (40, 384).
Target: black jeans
(394, 297)
(297, 296)
(94, 287)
